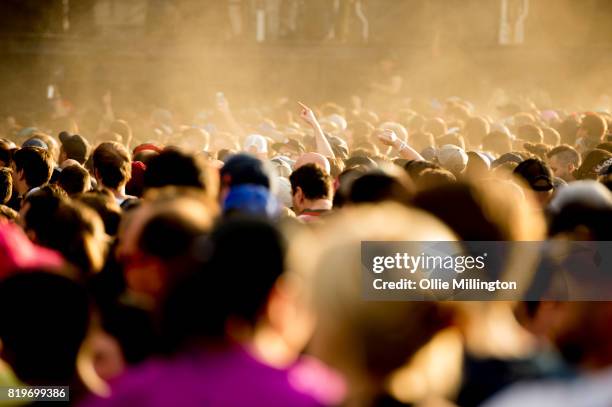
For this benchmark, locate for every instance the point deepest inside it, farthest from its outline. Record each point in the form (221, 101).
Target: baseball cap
(587, 192)
(536, 173)
(75, 146)
(251, 200)
(35, 142)
(245, 169)
(452, 157)
(256, 142)
(595, 163)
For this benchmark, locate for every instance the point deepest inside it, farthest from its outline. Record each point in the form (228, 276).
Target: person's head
(112, 165)
(313, 158)
(379, 186)
(435, 126)
(452, 158)
(74, 179)
(530, 133)
(226, 311)
(552, 137)
(257, 145)
(420, 141)
(31, 168)
(292, 148)
(594, 162)
(483, 210)
(6, 154)
(563, 161)
(155, 238)
(309, 183)
(365, 340)
(73, 147)
(6, 185)
(194, 140)
(538, 177)
(242, 169)
(452, 139)
(103, 202)
(431, 178)
(593, 128)
(42, 353)
(173, 167)
(475, 130)
(73, 229)
(122, 128)
(497, 142)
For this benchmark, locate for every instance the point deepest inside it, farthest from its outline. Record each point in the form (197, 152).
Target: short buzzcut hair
(566, 153)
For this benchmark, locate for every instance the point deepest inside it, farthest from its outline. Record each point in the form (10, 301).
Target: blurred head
(71, 228)
(312, 158)
(490, 210)
(538, 177)
(6, 185)
(173, 167)
(225, 309)
(365, 340)
(476, 129)
(61, 308)
(497, 143)
(593, 128)
(155, 238)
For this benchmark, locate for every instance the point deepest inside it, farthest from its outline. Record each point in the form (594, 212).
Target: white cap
(452, 158)
(256, 143)
(338, 121)
(588, 192)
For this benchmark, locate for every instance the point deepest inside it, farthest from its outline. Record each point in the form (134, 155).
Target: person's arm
(389, 138)
(321, 142)
(226, 112)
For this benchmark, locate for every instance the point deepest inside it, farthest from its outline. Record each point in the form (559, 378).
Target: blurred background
(180, 52)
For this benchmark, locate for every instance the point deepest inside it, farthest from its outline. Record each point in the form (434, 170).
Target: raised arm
(321, 142)
(224, 108)
(389, 138)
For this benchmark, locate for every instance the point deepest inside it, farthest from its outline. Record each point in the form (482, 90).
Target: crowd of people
(158, 261)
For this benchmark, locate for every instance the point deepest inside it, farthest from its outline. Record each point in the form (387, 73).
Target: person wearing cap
(593, 164)
(453, 158)
(73, 147)
(538, 177)
(257, 145)
(241, 169)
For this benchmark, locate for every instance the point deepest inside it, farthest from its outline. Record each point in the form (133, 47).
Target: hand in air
(387, 137)
(307, 114)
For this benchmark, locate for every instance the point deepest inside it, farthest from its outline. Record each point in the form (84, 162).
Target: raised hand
(387, 137)
(307, 114)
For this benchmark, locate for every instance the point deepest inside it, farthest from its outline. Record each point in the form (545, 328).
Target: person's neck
(317, 204)
(119, 192)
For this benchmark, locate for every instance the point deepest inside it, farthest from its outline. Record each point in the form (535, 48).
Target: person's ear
(299, 195)
(21, 175)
